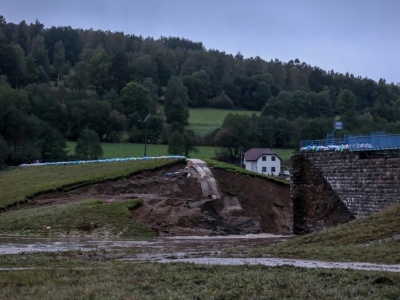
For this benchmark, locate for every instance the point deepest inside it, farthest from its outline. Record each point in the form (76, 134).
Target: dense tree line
(57, 83)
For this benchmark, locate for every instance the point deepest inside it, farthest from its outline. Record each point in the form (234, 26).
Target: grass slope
(370, 239)
(238, 170)
(18, 184)
(90, 217)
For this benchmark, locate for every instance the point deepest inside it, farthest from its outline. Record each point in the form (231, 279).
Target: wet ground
(187, 244)
(208, 250)
(275, 262)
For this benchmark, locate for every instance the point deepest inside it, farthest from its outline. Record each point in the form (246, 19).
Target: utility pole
(120, 145)
(145, 121)
(241, 155)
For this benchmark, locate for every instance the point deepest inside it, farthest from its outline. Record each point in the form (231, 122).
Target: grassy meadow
(202, 121)
(112, 150)
(116, 150)
(205, 120)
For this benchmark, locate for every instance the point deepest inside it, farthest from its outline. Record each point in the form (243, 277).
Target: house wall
(258, 165)
(251, 166)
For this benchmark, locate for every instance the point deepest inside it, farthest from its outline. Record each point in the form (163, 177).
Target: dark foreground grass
(18, 184)
(147, 280)
(370, 239)
(86, 218)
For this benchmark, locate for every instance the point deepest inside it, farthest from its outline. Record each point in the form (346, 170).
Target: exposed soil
(315, 204)
(175, 204)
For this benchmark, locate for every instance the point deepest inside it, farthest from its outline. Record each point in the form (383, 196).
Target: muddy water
(188, 244)
(274, 262)
(192, 249)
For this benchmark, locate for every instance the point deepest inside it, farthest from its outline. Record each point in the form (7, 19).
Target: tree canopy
(59, 81)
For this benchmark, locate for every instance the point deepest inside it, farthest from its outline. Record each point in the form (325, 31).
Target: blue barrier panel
(354, 143)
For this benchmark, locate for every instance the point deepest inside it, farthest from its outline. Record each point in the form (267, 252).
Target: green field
(205, 120)
(202, 121)
(111, 150)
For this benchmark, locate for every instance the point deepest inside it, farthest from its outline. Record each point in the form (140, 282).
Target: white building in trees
(262, 160)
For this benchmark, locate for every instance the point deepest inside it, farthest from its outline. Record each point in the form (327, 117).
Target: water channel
(189, 249)
(18, 244)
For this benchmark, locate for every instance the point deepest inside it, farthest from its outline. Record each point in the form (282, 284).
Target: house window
(273, 158)
(264, 158)
(272, 169)
(264, 169)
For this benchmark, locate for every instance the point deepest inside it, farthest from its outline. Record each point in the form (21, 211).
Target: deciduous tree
(136, 100)
(176, 102)
(88, 145)
(97, 71)
(176, 144)
(346, 104)
(4, 151)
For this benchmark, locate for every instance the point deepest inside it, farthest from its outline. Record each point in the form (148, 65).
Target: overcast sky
(356, 36)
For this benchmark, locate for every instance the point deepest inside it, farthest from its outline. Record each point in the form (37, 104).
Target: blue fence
(353, 143)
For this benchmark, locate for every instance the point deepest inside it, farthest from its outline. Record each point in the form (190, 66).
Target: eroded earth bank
(191, 199)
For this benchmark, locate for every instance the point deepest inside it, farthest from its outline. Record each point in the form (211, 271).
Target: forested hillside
(61, 83)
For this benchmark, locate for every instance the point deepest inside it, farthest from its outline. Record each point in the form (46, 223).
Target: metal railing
(355, 143)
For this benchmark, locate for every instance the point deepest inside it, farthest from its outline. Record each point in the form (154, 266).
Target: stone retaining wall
(364, 184)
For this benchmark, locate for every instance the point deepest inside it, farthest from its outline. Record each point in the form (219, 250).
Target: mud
(177, 202)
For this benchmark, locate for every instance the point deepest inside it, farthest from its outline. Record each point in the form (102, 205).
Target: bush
(176, 144)
(88, 145)
(4, 151)
(222, 101)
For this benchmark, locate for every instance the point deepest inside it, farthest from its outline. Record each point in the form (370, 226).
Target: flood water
(193, 249)
(18, 244)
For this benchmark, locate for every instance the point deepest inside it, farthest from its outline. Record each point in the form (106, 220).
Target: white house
(262, 160)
